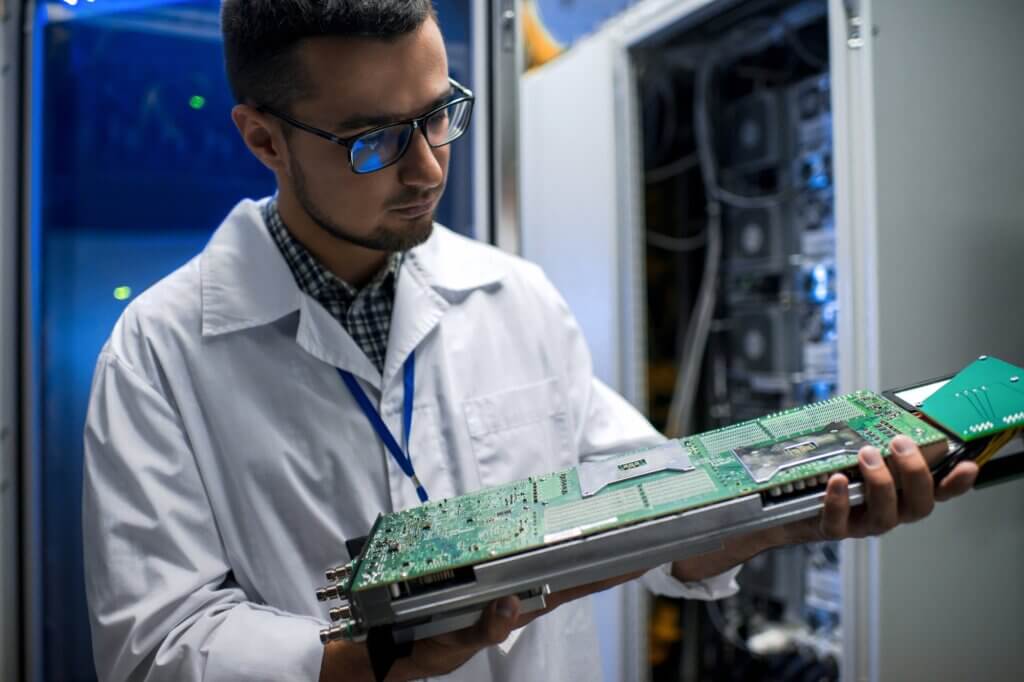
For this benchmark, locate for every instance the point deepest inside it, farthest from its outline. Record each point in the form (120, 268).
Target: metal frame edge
(11, 61)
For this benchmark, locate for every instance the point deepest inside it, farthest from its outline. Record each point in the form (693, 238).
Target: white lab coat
(226, 463)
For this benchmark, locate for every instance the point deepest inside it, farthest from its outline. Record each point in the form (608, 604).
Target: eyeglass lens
(383, 147)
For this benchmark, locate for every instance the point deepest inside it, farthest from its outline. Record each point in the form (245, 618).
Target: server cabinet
(895, 127)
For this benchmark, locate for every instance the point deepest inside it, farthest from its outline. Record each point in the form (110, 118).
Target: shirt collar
(312, 276)
(245, 281)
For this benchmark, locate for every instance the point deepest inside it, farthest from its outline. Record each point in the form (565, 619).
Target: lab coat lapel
(436, 275)
(246, 283)
(417, 311)
(324, 338)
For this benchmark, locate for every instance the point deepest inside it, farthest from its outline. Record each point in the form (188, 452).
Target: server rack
(874, 260)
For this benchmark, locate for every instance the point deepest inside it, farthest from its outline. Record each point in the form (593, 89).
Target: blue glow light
(830, 316)
(820, 290)
(821, 390)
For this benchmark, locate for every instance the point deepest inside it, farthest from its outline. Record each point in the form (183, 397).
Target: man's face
(360, 84)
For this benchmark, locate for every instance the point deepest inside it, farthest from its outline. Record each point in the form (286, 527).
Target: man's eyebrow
(374, 120)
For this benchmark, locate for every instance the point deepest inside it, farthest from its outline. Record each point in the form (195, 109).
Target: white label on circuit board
(594, 476)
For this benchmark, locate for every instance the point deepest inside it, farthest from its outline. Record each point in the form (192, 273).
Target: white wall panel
(569, 209)
(569, 192)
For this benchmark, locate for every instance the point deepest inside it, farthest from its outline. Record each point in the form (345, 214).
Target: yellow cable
(994, 445)
(997, 444)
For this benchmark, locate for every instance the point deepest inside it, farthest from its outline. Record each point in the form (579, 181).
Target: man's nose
(420, 167)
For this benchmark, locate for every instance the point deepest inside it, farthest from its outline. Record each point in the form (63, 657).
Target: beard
(381, 239)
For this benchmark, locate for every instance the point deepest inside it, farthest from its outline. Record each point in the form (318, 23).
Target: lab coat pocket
(519, 432)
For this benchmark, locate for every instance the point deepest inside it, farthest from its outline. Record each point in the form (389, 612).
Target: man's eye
(373, 142)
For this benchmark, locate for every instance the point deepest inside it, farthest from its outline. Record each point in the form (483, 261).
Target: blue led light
(830, 318)
(821, 390)
(820, 289)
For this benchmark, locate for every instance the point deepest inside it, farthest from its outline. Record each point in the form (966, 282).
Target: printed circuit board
(426, 547)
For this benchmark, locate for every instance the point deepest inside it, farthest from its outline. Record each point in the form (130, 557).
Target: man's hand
(884, 508)
(445, 653)
(430, 657)
(897, 490)
(901, 492)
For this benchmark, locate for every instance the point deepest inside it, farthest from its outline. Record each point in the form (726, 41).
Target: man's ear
(262, 136)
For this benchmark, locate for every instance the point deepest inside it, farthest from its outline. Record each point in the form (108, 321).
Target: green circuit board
(774, 455)
(986, 397)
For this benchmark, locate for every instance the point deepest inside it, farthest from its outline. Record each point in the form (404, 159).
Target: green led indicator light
(123, 293)
(197, 102)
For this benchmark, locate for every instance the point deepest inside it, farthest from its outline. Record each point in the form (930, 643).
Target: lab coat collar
(246, 283)
(453, 265)
(435, 275)
(245, 280)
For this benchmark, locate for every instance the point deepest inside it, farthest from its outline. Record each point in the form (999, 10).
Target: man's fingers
(882, 512)
(911, 470)
(957, 482)
(835, 517)
(444, 653)
(499, 625)
(495, 625)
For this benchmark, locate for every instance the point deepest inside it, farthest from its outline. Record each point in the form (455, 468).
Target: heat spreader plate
(774, 455)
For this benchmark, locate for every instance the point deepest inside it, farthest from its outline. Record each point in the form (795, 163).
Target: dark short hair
(260, 37)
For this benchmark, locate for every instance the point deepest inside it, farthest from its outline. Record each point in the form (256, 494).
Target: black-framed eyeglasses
(381, 147)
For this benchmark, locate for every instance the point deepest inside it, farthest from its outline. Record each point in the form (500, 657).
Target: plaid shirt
(364, 313)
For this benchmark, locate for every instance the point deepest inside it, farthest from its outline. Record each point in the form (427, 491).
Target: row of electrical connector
(345, 625)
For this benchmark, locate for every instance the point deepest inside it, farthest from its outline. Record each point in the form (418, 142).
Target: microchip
(764, 462)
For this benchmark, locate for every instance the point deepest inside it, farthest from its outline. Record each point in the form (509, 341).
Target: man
(228, 455)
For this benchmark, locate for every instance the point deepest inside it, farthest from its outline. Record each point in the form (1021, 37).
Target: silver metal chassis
(536, 573)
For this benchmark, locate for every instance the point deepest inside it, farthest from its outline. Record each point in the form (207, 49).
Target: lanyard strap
(401, 454)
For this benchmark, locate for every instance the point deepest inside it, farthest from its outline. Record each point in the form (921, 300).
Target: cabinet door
(932, 226)
(950, 242)
(573, 196)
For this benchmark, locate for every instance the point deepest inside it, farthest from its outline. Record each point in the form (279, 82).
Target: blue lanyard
(401, 454)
